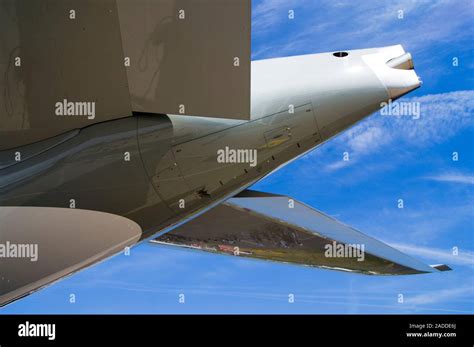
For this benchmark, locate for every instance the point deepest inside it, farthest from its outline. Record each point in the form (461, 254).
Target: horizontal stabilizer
(39, 245)
(278, 228)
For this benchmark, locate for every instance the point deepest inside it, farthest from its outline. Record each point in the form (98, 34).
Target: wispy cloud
(442, 295)
(327, 25)
(267, 14)
(367, 139)
(358, 142)
(453, 178)
(442, 116)
(336, 165)
(463, 257)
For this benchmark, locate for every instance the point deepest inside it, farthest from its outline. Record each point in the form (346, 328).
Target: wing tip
(441, 267)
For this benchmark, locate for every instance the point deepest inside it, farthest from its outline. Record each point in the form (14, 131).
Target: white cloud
(367, 139)
(464, 257)
(328, 25)
(337, 165)
(453, 178)
(361, 141)
(267, 14)
(440, 295)
(442, 116)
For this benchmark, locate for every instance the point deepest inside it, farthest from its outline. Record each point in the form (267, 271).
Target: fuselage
(161, 170)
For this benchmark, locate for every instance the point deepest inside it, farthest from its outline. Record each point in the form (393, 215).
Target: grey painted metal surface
(42, 244)
(98, 169)
(119, 56)
(151, 170)
(182, 56)
(78, 59)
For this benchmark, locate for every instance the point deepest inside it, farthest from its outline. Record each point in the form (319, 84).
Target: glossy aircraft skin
(162, 170)
(167, 163)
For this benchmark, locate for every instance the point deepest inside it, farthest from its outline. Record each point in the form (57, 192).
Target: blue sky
(390, 158)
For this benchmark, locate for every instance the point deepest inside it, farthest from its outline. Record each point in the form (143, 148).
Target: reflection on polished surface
(259, 225)
(165, 172)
